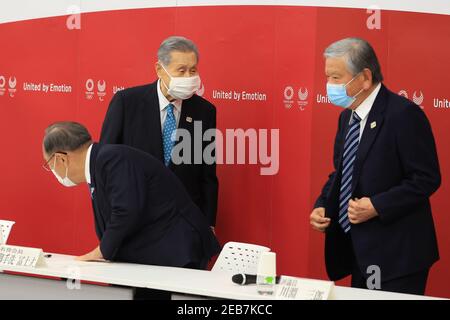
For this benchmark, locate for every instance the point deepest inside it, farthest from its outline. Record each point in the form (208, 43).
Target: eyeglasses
(46, 165)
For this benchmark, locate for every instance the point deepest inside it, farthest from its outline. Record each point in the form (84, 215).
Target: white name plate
(14, 256)
(293, 288)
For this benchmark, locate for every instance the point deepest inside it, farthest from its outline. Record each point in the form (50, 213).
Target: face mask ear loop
(67, 171)
(162, 66)
(358, 93)
(167, 88)
(352, 79)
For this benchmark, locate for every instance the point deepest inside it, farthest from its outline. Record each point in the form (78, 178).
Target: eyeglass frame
(46, 165)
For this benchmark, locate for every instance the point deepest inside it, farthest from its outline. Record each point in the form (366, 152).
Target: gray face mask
(66, 182)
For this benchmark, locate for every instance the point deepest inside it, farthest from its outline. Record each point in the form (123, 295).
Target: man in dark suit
(146, 118)
(374, 208)
(142, 212)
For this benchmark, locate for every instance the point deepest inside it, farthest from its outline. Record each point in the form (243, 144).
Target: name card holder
(292, 288)
(15, 256)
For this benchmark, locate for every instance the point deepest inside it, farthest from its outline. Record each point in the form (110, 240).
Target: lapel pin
(373, 125)
(189, 119)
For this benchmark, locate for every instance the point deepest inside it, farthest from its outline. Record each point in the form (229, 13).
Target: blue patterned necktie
(170, 126)
(350, 150)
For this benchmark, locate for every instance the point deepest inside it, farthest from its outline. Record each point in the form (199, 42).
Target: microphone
(243, 279)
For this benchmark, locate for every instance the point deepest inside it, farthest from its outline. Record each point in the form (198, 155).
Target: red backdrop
(254, 49)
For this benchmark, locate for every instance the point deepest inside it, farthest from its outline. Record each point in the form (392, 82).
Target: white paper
(5, 229)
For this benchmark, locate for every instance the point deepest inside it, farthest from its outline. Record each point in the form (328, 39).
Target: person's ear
(368, 79)
(158, 69)
(63, 158)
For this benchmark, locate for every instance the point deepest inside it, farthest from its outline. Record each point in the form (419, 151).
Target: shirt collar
(87, 164)
(163, 102)
(364, 108)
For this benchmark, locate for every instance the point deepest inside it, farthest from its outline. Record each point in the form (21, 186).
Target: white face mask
(66, 182)
(182, 87)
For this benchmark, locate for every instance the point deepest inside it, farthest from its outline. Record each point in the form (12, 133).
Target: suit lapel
(99, 221)
(186, 116)
(151, 103)
(371, 130)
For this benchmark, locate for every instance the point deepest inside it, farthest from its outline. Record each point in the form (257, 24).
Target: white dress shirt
(163, 103)
(364, 108)
(87, 164)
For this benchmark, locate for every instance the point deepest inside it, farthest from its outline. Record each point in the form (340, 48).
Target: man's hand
(318, 220)
(94, 255)
(361, 210)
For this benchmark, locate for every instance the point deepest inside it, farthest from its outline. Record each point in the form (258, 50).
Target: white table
(120, 278)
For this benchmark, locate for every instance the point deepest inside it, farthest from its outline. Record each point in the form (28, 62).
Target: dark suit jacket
(133, 118)
(397, 167)
(143, 213)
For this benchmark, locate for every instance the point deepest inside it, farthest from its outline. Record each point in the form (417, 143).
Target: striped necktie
(350, 150)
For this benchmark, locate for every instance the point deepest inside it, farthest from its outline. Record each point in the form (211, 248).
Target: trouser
(413, 283)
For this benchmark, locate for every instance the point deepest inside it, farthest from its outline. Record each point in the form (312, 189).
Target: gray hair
(175, 44)
(358, 54)
(65, 136)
